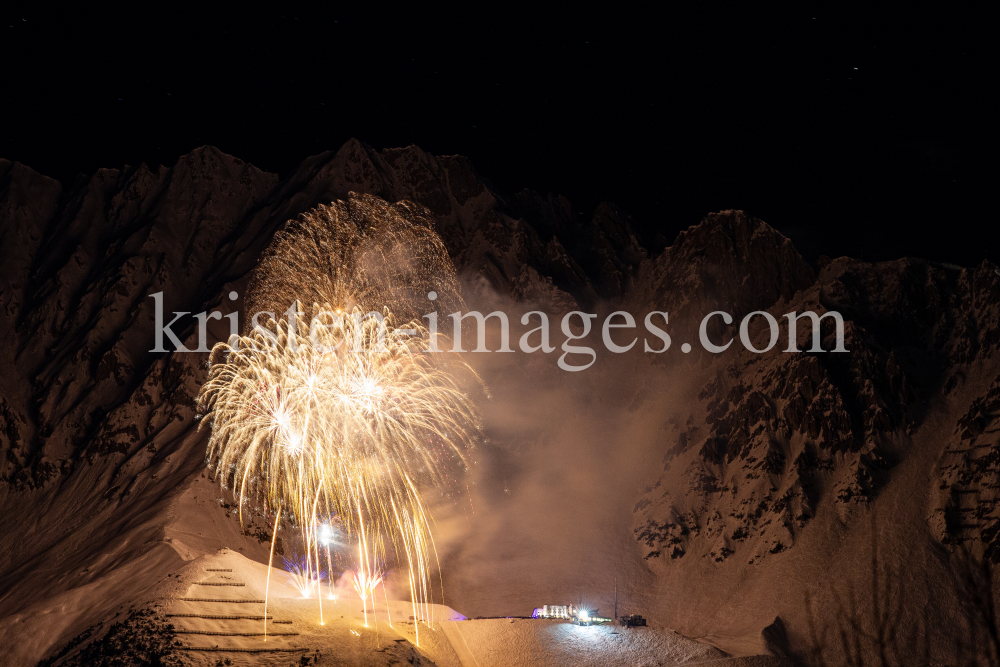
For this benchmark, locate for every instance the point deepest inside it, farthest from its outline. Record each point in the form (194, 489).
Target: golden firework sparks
(350, 416)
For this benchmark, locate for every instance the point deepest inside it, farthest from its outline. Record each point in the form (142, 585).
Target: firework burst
(350, 415)
(302, 577)
(365, 582)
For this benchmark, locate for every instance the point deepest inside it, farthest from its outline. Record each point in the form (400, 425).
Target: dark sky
(856, 130)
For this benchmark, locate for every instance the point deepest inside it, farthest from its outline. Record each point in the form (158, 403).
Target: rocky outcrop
(729, 262)
(775, 434)
(80, 267)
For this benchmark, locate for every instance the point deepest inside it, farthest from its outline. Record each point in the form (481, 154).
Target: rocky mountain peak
(728, 262)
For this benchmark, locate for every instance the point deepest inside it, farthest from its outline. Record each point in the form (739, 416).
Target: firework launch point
(215, 606)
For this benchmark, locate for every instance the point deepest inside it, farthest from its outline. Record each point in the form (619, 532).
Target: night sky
(856, 131)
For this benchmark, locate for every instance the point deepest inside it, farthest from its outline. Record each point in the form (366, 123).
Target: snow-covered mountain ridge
(772, 469)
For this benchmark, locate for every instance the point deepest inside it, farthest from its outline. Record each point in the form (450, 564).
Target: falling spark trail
(319, 584)
(329, 566)
(346, 405)
(270, 560)
(387, 612)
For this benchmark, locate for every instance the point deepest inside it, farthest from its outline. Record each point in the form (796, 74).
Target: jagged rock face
(729, 262)
(774, 434)
(78, 320)
(614, 253)
(968, 473)
(607, 249)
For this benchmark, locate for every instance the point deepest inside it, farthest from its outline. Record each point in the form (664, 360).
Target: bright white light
(326, 534)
